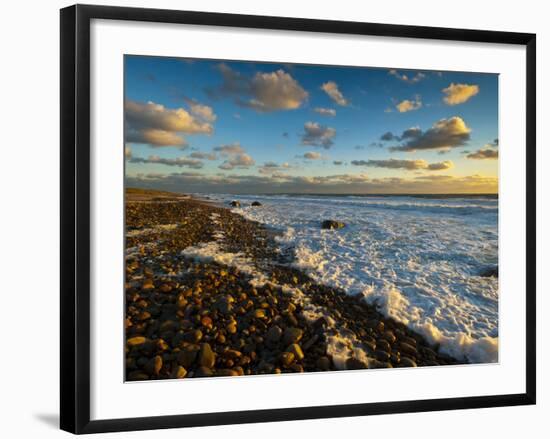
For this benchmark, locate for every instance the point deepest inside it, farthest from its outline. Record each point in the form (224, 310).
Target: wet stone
(179, 372)
(187, 356)
(354, 364)
(203, 372)
(154, 365)
(323, 363)
(407, 362)
(407, 348)
(287, 358)
(274, 334)
(292, 335)
(296, 350)
(206, 357)
(136, 341)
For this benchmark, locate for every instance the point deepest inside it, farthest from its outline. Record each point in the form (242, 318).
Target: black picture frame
(75, 217)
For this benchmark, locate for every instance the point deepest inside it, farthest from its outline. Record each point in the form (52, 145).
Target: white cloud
(238, 161)
(325, 111)
(236, 156)
(179, 161)
(406, 78)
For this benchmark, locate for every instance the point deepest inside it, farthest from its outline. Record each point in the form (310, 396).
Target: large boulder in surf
(235, 203)
(256, 203)
(332, 224)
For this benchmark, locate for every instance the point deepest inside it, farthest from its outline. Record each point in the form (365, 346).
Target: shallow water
(417, 258)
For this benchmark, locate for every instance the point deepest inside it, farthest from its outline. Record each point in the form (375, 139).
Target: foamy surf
(418, 260)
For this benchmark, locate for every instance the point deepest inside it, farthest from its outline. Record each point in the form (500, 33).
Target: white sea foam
(417, 259)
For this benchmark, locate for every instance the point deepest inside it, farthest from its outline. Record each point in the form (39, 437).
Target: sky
(222, 126)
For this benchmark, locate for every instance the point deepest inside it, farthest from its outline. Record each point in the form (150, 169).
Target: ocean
(417, 258)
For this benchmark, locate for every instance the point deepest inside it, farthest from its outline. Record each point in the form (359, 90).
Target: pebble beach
(210, 293)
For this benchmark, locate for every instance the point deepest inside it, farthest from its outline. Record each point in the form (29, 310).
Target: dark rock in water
(256, 203)
(332, 224)
(235, 203)
(490, 272)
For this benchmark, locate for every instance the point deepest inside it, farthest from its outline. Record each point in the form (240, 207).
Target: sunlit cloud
(263, 92)
(440, 166)
(332, 90)
(230, 148)
(484, 154)
(236, 156)
(409, 105)
(156, 138)
(316, 134)
(445, 133)
(157, 125)
(238, 161)
(409, 165)
(459, 93)
(201, 111)
(274, 168)
(419, 76)
(203, 155)
(311, 155)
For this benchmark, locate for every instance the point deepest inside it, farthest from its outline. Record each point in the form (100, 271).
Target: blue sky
(226, 126)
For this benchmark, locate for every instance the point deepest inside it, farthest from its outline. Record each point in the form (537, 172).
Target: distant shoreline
(306, 194)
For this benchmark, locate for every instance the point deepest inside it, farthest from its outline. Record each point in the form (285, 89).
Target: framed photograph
(273, 218)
